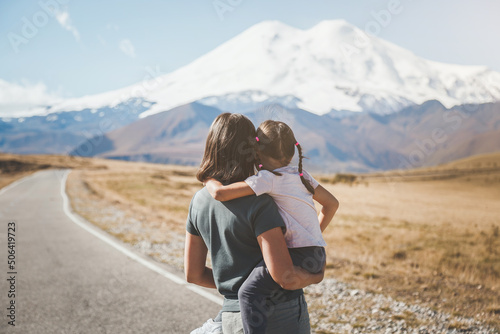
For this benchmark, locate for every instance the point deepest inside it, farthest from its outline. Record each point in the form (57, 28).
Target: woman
(240, 233)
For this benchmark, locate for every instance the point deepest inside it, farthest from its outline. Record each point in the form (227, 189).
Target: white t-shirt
(295, 204)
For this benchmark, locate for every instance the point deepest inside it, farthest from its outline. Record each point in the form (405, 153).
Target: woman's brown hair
(229, 151)
(276, 140)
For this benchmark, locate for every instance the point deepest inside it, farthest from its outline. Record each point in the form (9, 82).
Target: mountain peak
(330, 66)
(269, 27)
(333, 25)
(275, 24)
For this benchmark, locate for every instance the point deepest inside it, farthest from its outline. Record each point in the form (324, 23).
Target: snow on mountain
(332, 66)
(245, 101)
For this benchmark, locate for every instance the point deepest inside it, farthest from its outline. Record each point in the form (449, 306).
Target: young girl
(293, 190)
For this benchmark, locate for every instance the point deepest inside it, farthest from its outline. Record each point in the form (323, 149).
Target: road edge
(80, 221)
(18, 181)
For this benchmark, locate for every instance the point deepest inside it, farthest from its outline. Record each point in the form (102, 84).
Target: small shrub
(399, 255)
(458, 326)
(159, 176)
(495, 309)
(370, 276)
(344, 178)
(339, 178)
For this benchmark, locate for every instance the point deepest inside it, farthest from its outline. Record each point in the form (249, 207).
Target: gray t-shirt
(230, 230)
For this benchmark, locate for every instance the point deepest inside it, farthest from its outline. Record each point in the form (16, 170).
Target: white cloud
(25, 98)
(65, 22)
(127, 47)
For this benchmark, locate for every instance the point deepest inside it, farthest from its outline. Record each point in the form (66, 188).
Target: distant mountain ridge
(417, 136)
(60, 132)
(331, 66)
(176, 136)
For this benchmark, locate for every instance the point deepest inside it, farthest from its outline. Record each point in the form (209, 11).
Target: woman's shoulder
(200, 197)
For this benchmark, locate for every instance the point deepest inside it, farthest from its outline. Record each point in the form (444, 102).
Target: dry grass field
(14, 166)
(436, 242)
(428, 236)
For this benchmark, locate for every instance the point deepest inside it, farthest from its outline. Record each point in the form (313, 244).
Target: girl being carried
(293, 190)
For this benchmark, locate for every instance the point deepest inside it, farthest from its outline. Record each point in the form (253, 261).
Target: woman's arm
(226, 193)
(280, 265)
(195, 257)
(330, 205)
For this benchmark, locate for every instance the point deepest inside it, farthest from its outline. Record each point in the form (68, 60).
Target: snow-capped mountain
(331, 66)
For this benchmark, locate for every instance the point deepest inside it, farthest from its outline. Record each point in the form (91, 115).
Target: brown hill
(415, 137)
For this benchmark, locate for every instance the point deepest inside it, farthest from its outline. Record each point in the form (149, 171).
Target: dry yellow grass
(153, 192)
(14, 166)
(417, 236)
(433, 241)
(430, 235)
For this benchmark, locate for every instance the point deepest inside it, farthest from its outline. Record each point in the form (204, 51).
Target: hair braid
(302, 178)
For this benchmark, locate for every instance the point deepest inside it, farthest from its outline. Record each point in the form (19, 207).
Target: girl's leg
(253, 297)
(311, 259)
(254, 293)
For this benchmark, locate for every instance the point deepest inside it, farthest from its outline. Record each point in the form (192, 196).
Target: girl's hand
(213, 187)
(330, 206)
(206, 181)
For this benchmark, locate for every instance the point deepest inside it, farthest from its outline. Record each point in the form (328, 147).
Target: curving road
(71, 279)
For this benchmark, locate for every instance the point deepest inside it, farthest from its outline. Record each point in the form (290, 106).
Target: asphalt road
(67, 280)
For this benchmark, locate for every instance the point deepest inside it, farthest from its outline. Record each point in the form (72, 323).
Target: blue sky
(93, 46)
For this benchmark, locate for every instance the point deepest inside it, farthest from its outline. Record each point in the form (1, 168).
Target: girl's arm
(231, 191)
(330, 205)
